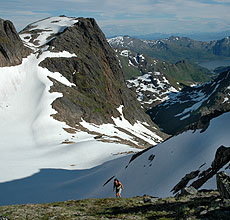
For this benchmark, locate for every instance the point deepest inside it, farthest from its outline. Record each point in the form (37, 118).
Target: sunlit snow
(47, 29)
(117, 130)
(30, 138)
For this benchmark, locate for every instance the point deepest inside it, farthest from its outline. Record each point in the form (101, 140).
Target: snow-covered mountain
(66, 105)
(193, 107)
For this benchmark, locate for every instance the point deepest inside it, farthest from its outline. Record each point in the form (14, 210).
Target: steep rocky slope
(12, 49)
(193, 107)
(98, 83)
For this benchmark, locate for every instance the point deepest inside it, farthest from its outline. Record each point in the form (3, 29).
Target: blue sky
(131, 17)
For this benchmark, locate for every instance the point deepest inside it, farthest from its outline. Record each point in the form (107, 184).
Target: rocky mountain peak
(12, 49)
(222, 47)
(98, 93)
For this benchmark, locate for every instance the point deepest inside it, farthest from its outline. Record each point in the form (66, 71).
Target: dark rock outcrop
(223, 184)
(184, 181)
(222, 158)
(12, 49)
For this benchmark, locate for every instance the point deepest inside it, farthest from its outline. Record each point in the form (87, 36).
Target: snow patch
(125, 53)
(47, 29)
(116, 41)
(117, 130)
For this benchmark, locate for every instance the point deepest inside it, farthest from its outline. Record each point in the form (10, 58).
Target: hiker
(118, 186)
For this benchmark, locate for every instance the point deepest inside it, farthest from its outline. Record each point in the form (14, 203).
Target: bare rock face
(223, 184)
(12, 49)
(222, 158)
(100, 86)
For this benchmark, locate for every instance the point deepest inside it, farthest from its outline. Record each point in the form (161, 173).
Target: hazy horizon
(130, 17)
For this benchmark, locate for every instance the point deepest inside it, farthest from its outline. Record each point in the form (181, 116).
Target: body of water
(211, 65)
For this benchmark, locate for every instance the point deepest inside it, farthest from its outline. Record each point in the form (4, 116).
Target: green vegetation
(203, 206)
(129, 70)
(184, 72)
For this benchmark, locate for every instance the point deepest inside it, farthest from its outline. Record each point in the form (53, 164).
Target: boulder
(223, 184)
(189, 191)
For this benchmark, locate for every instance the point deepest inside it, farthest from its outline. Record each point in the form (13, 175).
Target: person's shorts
(118, 190)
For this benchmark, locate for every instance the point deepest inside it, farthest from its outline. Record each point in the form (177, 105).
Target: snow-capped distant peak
(118, 41)
(41, 32)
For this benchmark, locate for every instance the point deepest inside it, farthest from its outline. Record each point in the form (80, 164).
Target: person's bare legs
(118, 195)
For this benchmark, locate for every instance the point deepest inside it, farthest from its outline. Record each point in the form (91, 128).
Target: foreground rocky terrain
(202, 205)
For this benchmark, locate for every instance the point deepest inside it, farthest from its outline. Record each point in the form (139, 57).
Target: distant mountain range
(174, 49)
(202, 36)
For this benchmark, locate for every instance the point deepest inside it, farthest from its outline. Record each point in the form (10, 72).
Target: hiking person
(118, 186)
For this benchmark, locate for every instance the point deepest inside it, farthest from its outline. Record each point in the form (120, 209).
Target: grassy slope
(129, 70)
(204, 205)
(186, 73)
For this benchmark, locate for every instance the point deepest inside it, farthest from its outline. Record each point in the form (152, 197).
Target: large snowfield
(173, 159)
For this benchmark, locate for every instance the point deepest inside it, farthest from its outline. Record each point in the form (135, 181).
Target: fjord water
(211, 65)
